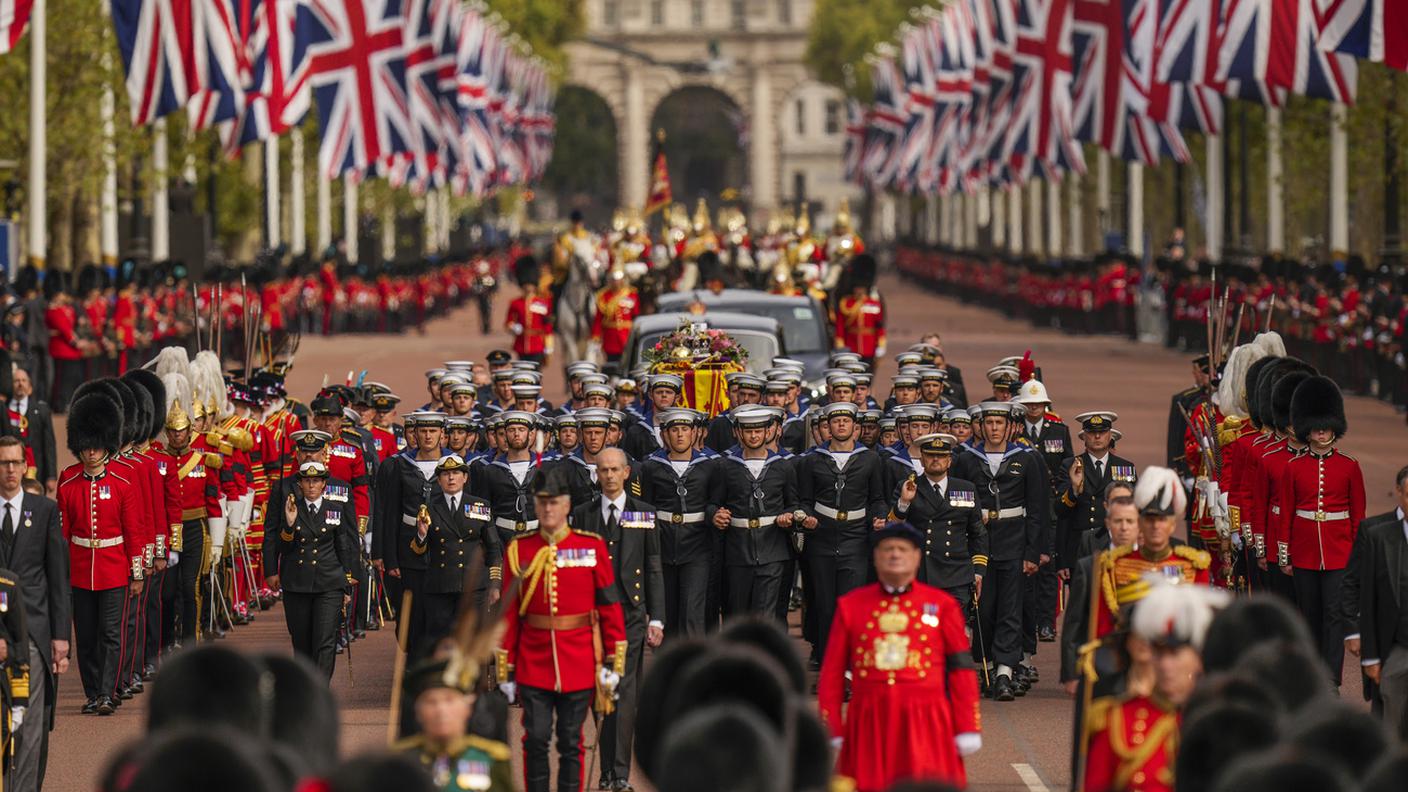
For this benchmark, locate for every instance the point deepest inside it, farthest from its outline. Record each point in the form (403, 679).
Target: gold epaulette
(496, 750)
(214, 437)
(226, 449)
(1199, 558)
(1097, 715)
(4, 581)
(1053, 417)
(214, 461)
(412, 743)
(240, 438)
(587, 533)
(1229, 429)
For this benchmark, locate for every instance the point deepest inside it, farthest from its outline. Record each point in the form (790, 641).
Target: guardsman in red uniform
(860, 318)
(99, 512)
(1277, 385)
(66, 346)
(913, 712)
(1322, 499)
(345, 459)
(529, 316)
(198, 472)
(387, 443)
(562, 621)
(617, 307)
(1134, 738)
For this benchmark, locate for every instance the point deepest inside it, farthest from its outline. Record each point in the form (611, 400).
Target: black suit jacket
(321, 551)
(40, 562)
(1378, 572)
(41, 439)
(635, 554)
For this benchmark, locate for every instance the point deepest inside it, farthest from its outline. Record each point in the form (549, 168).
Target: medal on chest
(334, 517)
(573, 557)
(472, 774)
(892, 646)
(931, 615)
(104, 492)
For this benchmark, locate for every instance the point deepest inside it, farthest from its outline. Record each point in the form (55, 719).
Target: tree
(843, 32)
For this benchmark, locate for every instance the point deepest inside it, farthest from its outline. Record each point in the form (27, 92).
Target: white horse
(576, 303)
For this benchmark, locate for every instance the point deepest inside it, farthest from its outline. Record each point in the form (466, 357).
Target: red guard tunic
(386, 443)
(99, 518)
(345, 462)
(62, 321)
(1322, 497)
(198, 472)
(913, 688)
(166, 493)
(534, 314)
(616, 310)
(1265, 477)
(1133, 747)
(860, 324)
(568, 592)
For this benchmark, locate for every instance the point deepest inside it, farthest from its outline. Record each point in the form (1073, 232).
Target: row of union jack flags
(994, 92)
(422, 92)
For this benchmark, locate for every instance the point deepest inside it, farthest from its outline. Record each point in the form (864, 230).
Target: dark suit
(1380, 568)
(315, 559)
(634, 545)
(449, 545)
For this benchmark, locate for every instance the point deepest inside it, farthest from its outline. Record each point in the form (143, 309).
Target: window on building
(784, 11)
(801, 117)
(833, 117)
(799, 186)
(611, 12)
(740, 14)
(657, 12)
(696, 12)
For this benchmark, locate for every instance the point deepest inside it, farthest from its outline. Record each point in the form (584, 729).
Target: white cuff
(1354, 637)
(968, 743)
(656, 623)
(1366, 662)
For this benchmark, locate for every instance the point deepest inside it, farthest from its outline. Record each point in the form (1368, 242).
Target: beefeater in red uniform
(562, 620)
(1322, 499)
(860, 317)
(99, 513)
(913, 712)
(529, 316)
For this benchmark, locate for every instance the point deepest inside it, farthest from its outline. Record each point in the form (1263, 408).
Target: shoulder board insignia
(226, 448)
(496, 750)
(4, 581)
(213, 460)
(636, 488)
(1098, 716)
(1199, 558)
(588, 534)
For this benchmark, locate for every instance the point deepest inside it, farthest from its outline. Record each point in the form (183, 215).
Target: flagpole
(272, 195)
(107, 242)
(1275, 208)
(970, 220)
(1036, 242)
(1053, 215)
(38, 145)
(161, 195)
(349, 216)
(1075, 246)
(1339, 181)
(1212, 223)
(1102, 193)
(998, 223)
(1134, 176)
(324, 201)
(444, 218)
(1014, 219)
(298, 222)
(388, 232)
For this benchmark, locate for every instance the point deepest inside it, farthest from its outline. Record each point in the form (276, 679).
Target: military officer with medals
(913, 710)
(841, 487)
(945, 509)
(1081, 483)
(628, 524)
(448, 526)
(314, 554)
(346, 459)
(565, 639)
(677, 480)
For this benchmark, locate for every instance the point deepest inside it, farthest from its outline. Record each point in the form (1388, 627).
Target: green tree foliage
(843, 32)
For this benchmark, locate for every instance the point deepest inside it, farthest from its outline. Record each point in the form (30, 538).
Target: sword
(347, 618)
(978, 631)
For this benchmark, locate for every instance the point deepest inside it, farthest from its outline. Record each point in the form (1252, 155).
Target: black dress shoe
(148, 672)
(622, 785)
(1002, 689)
(137, 687)
(604, 783)
(106, 707)
(89, 707)
(1046, 635)
(125, 693)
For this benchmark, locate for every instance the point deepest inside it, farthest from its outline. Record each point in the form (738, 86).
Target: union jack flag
(163, 51)
(855, 141)
(277, 97)
(1299, 64)
(14, 16)
(1375, 30)
(357, 62)
(477, 159)
(427, 57)
(1185, 57)
(1040, 131)
(917, 102)
(886, 124)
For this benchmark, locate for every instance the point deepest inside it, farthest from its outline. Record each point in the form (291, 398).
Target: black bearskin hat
(303, 712)
(144, 380)
(376, 772)
(1295, 673)
(120, 392)
(1217, 737)
(723, 746)
(1318, 404)
(525, 270)
(212, 760)
(211, 686)
(659, 679)
(1339, 733)
(146, 412)
(1266, 383)
(766, 636)
(94, 421)
(710, 269)
(1281, 394)
(1247, 623)
(861, 270)
(1282, 769)
(1251, 387)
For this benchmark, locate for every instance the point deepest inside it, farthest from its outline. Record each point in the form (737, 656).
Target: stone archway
(583, 173)
(706, 143)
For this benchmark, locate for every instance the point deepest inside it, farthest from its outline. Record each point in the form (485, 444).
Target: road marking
(1030, 778)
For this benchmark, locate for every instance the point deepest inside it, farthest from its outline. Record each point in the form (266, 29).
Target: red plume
(1026, 367)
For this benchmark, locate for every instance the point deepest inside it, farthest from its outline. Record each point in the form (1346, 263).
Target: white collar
(450, 497)
(21, 407)
(619, 503)
(17, 502)
(1099, 459)
(313, 506)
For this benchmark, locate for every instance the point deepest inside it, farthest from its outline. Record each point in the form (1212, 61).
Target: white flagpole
(1135, 176)
(107, 238)
(1275, 203)
(1014, 218)
(388, 232)
(1036, 241)
(1213, 221)
(1102, 194)
(161, 203)
(273, 211)
(998, 225)
(324, 200)
(349, 216)
(298, 223)
(1053, 214)
(1076, 244)
(1339, 181)
(38, 145)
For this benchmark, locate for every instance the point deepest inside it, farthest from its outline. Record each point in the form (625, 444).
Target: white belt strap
(1322, 516)
(838, 514)
(409, 519)
(97, 544)
(1007, 514)
(516, 525)
(679, 519)
(752, 522)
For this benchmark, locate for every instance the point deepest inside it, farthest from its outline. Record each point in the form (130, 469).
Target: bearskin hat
(1389, 775)
(208, 686)
(727, 745)
(1296, 673)
(1318, 404)
(376, 772)
(1339, 733)
(94, 421)
(1248, 623)
(1255, 374)
(1217, 737)
(303, 712)
(766, 636)
(1270, 377)
(212, 760)
(660, 678)
(525, 270)
(1281, 395)
(1282, 769)
(861, 270)
(143, 381)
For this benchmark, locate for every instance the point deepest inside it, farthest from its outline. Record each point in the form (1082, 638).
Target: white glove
(516, 328)
(836, 743)
(609, 679)
(880, 351)
(233, 511)
(510, 690)
(246, 511)
(217, 526)
(16, 718)
(367, 542)
(968, 743)
(172, 558)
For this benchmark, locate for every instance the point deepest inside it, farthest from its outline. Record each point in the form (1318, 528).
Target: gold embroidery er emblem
(892, 648)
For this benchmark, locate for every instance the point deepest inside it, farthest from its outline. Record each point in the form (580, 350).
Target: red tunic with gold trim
(616, 311)
(534, 314)
(568, 592)
(860, 324)
(913, 687)
(346, 462)
(1205, 414)
(1133, 745)
(1119, 577)
(99, 515)
(1236, 436)
(1322, 499)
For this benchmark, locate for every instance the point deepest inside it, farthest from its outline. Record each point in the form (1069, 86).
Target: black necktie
(7, 536)
(454, 504)
(1100, 470)
(612, 524)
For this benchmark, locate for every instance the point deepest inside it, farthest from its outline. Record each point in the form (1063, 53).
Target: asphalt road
(1025, 742)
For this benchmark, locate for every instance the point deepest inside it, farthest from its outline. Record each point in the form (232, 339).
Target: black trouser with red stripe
(97, 630)
(158, 598)
(539, 707)
(134, 630)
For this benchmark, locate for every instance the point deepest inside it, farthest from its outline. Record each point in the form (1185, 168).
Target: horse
(576, 302)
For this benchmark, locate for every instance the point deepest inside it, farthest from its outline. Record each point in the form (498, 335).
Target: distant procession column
(324, 201)
(1014, 218)
(298, 222)
(1275, 201)
(762, 151)
(1339, 181)
(1135, 177)
(1036, 243)
(1053, 215)
(998, 222)
(38, 144)
(349, 217)
(272, 193)
(1102, 192)
(161, 195)
(1212, 223)
(107, 237)
(1076, 244)
(635, 142)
